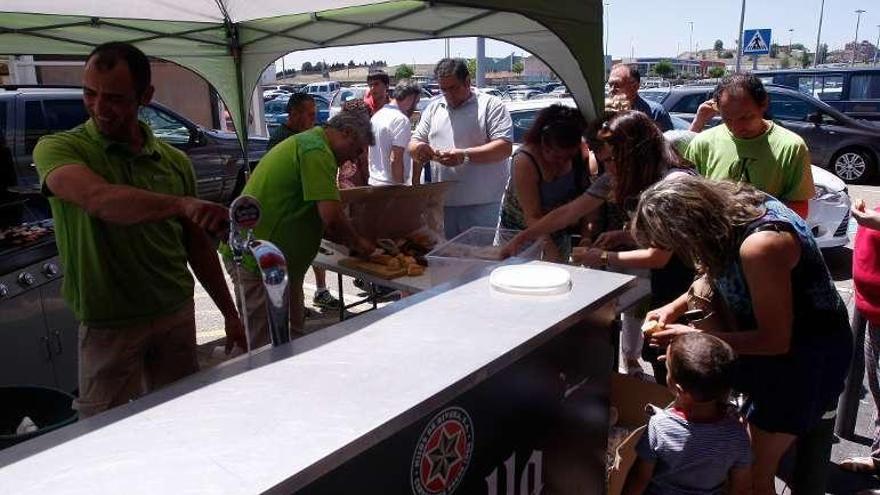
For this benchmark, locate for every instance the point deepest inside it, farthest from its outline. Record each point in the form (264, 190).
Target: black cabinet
(38, 332)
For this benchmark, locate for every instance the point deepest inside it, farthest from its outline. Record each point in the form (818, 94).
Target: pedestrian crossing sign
(756, 42)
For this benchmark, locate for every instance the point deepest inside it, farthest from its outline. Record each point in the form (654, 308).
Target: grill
(843, 227)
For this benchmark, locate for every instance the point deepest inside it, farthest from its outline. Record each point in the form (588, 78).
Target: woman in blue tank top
(547, 171)
(791, 329)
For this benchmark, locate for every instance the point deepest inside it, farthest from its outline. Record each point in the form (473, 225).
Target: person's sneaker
(323, 299)
(362, 284)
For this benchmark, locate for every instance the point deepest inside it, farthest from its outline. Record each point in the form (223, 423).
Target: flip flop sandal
(864, 465)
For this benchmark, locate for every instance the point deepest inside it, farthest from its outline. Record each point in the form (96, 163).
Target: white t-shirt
(480, 119)
(391, 128)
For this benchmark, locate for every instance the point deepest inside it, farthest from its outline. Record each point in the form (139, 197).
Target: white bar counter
(286, 416)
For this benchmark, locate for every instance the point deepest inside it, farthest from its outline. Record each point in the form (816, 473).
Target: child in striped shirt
(697, 445)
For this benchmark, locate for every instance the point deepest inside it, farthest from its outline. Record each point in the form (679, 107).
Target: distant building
(683, 67)
(536, 70)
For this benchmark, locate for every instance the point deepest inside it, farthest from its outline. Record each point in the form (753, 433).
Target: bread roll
(650, 327)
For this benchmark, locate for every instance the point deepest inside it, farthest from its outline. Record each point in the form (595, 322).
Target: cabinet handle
(48, 349)
(58, 347)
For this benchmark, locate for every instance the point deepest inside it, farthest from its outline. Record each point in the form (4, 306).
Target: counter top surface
(302, 409)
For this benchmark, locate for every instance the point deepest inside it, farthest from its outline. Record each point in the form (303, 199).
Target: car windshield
(276, 106)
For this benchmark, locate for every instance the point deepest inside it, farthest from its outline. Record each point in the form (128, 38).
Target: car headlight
(832, 197)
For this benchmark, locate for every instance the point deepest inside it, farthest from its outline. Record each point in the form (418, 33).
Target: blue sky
(656, 28)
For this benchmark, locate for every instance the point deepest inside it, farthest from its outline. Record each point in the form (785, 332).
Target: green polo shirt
(776, 162)
(116, 275)
(288, 182)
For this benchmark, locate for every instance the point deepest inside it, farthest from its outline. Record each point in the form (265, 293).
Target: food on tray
(650, 327)
(24, 234)
(413, 262)
(381, 259)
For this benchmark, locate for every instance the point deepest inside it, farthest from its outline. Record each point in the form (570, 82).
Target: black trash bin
(48, 408)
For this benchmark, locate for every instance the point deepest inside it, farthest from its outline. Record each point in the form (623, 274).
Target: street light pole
(739, 36)
(691, 46)
(877, 45)
(859, 13)
(819, 34)
(790, 31)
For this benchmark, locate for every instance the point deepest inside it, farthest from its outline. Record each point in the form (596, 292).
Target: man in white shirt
(468, 137)
(390, 162)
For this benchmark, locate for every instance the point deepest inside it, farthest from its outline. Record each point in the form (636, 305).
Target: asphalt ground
(209, 324)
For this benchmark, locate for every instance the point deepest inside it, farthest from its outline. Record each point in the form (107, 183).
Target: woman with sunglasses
(791, 327)
(635, 156)
(547, 172)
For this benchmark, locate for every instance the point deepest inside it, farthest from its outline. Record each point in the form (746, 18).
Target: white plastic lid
(530, 280)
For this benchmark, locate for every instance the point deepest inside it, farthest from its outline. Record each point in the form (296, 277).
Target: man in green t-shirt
(295, 183)
(748, 148)
(127, 223)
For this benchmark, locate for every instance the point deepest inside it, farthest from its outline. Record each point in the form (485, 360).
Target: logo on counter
(443, 453)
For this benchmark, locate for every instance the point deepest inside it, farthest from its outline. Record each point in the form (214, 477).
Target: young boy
(696, 445)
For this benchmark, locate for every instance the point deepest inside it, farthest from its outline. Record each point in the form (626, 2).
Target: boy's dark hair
(702, 365)
(379, 75)
(746, 83)
(108, 54)
(556, 125)
(452, 67)
(298, 99)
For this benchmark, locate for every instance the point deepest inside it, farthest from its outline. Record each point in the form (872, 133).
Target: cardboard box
(631, 396)
(395, 211)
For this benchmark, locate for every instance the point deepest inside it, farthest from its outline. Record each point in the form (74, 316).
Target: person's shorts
(791, 393)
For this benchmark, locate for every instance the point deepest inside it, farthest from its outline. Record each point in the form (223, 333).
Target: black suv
(28, 113)
(846, 146)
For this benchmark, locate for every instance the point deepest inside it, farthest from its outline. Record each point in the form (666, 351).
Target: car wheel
(854, 166)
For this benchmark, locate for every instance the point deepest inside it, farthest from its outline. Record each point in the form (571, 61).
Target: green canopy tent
(230, 42)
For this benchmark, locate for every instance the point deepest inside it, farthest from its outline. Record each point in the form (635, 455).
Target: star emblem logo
(444, 456)
(443, 453)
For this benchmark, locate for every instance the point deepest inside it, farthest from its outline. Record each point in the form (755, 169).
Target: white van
(325, 89)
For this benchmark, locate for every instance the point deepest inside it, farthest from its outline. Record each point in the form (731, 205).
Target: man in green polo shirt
(295, 183)
(127, 223)
(747, 148)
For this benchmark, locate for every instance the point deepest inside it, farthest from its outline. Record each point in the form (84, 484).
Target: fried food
(651, 327)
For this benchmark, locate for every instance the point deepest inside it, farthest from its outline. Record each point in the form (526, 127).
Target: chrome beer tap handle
(273, 269)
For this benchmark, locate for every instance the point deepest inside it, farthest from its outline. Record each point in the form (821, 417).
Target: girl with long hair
(791, 326)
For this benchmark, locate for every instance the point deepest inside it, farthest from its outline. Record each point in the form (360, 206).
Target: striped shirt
(691, 457)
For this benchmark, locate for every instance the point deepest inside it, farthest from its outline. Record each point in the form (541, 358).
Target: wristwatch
(467, 157)
(604, 258)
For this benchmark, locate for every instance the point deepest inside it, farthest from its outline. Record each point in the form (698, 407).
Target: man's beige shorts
(120, 364)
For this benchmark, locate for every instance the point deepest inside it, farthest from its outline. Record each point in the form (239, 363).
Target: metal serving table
(444, 391)
(328, 258)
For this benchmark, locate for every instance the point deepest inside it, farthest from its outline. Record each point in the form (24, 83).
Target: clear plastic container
(474, 249)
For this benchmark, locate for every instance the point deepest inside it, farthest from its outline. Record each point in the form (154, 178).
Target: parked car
(854, 91)
(523, 94)
(358, 92)
(276, 111)
(324, 89)
(846, 146)
(494, 92)
(28, 113)
(829, 208)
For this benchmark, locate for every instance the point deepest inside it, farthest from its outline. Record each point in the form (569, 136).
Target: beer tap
(244, 215)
